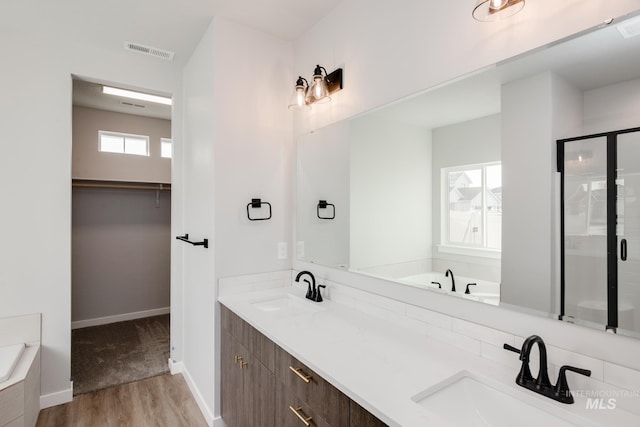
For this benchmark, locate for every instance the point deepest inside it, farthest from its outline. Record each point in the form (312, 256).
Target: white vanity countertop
(381, 366)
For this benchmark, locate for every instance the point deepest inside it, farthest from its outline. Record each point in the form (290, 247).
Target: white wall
(238, 146)
(390, 192)
(612, 107)
(254, 148)
(90, 163)
(323, 174)
(35, 174)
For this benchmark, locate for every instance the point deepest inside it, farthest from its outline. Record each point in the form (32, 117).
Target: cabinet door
(232, 400)
(286, 417)
(360, 417)
(259, 395)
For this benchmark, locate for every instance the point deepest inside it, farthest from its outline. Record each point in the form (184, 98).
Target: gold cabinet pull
(243, 363)
(237, 358)
(304, 419)
(303, 377)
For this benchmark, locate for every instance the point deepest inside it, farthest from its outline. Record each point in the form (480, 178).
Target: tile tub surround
(361, 341)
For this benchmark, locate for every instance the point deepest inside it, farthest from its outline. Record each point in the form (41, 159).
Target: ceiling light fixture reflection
(136, 95)
(495, 10)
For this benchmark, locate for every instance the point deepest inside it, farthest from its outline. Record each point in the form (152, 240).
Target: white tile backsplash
(482, 333)
(559, 357)
(500, 355)
(430, 317)
(455, 339)
(253, 282)
(626, 378)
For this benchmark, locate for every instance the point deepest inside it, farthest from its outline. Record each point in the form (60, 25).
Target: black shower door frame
(612, 243)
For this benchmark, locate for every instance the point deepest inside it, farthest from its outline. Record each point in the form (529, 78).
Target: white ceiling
(174, 25)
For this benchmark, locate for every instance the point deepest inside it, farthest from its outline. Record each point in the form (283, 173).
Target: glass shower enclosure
(600, 227)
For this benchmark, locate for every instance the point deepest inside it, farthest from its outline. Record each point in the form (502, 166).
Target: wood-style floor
(164, 400)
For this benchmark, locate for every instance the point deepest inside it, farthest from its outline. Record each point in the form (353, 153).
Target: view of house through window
(473, 212)
(114, 142)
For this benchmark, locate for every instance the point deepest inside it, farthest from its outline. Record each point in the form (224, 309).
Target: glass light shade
(318, 92)
(299, 98)
(496, 10)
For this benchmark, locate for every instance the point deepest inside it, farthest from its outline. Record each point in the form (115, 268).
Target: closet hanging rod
(119, 185)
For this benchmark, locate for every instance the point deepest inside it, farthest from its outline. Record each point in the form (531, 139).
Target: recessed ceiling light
(136, 95)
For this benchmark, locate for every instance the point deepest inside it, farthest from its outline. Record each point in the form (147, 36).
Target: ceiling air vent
(630, 28)
(148, 50)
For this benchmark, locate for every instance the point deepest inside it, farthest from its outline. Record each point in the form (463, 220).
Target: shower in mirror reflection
(495, 10)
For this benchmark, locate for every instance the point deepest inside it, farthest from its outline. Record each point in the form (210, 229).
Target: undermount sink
(287, 305)
(469, 400)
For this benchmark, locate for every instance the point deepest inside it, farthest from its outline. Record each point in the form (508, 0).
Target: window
(472, 211)
(113, 142)
(166, 148)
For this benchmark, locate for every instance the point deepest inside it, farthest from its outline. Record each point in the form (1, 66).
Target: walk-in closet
(121, 221)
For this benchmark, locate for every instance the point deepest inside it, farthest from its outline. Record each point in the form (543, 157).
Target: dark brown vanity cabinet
(247, 374)
(264, 386)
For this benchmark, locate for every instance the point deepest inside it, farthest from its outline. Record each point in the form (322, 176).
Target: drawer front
(323, 398)
(292, 411)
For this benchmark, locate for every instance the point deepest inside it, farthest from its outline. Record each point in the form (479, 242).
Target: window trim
(124, 142)
(445, 245)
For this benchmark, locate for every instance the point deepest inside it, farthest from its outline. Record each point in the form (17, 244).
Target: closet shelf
(90, 183)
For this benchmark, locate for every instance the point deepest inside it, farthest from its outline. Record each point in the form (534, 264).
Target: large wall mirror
(412, 192)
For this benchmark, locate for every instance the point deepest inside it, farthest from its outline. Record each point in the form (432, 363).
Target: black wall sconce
(322, 86)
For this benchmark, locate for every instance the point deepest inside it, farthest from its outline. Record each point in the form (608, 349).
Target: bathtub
(483, 290)
(9, 357)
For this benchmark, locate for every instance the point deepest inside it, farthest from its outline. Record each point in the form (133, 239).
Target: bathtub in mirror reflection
(417, 185)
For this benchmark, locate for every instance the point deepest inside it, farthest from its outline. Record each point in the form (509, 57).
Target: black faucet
(311, 287)
(313, 291)
(541, 385)
(453, 281)
(466, 291)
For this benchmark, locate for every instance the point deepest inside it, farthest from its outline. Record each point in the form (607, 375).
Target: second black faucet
(313, 291)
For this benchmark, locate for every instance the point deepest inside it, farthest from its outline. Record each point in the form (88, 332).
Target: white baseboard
(219, 422)
(119, 318)
(206, 412)
(175, 367)
(57, 398)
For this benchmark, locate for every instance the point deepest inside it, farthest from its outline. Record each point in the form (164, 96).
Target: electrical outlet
(282, 250)
(300, 249)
